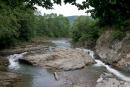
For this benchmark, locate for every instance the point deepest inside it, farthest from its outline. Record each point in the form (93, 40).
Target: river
(39, 77)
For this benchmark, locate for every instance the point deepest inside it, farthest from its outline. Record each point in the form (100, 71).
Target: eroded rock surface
(115, 52)
(7, 79)
(3, 63)
(60, 58)
(108, 81)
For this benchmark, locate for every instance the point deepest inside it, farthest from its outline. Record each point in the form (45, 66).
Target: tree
(85, 31)
(15, 25)
(20, 24)
(52, 25)
(109, 12)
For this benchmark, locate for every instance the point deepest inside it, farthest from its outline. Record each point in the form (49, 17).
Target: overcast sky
(66, 10)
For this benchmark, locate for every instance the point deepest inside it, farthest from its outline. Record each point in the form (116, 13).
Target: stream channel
(33, 76)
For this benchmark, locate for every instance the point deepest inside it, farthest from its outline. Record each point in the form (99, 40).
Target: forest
(20, 21)
(21, 24)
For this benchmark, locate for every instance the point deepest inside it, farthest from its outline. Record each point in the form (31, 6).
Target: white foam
(13, 60)
(111, 70)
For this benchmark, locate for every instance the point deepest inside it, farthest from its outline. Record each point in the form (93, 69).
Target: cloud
(66, 10)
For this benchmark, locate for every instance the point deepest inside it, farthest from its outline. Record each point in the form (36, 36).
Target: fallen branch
(55, 76)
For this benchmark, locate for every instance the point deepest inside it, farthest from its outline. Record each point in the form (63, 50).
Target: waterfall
(13, 60)
(110, 69)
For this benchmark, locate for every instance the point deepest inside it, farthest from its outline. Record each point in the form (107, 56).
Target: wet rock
(117, 52)
(3, 63)
(108, 80)
(100, 79)
(8, 79)
(35, 49)
(23, 61)
(112, 82)
(61, 58)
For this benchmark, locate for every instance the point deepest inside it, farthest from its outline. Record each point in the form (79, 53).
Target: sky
(66, 10)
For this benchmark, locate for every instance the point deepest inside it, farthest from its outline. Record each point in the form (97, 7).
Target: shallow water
(35, 77)
(39, 77)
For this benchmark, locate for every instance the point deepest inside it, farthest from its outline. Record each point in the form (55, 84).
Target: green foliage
(118, 35)
(15, 25)
(27, 22)
(8, 31)
(18, 23)
(8, 28)
(52, 25)
(109, 12)
(84, 30)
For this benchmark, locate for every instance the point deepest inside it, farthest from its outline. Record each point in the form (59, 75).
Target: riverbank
(112, 47)
(35, 44)
(88, 76)
(114, 50)
(64, 78)
(9, 78)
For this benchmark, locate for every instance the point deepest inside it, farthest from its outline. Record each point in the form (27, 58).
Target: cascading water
(38, 77)
(13, 60)
(111, 70)
(43, 78)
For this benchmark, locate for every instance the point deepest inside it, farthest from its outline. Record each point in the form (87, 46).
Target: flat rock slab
(112, 82)
(109, 81)
(61, 58)
(7, 79)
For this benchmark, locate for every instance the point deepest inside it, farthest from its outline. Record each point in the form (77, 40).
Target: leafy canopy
(85, 31)
(109, 12)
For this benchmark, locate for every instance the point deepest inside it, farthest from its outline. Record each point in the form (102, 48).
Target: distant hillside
(72, 18)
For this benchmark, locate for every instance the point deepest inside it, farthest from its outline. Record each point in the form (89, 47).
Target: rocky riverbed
(108, 80)
(62, 58)
(7, 78)
(59, 66)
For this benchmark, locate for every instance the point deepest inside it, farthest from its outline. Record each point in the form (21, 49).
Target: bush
(85, 31)
(118, 35)
(15, 26)
(8, 31)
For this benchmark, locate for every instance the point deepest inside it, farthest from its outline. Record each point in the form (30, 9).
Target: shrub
(85, 30)
(118, 35)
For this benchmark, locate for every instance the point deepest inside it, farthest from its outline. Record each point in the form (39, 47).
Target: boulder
(61, 58)
(117, 52)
